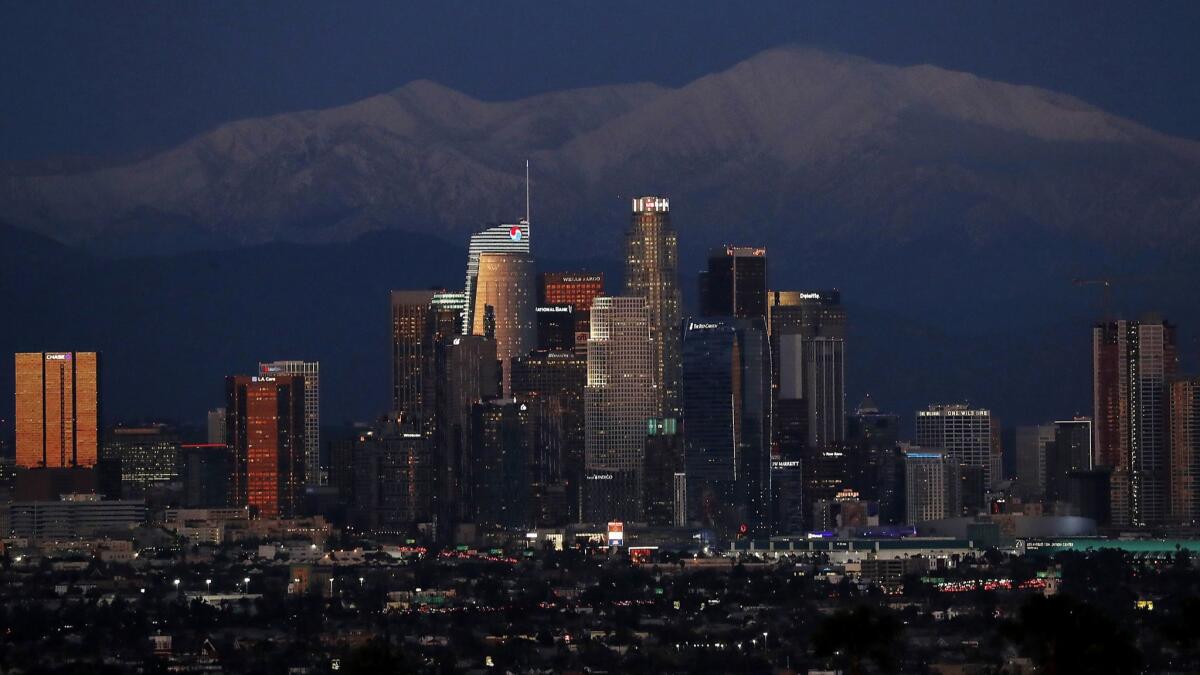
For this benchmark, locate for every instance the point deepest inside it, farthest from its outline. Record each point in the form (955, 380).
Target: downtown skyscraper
(57, 409)
(1185, 450)
(726, 396)
(576, 289)
(735, 283)
(265, 430)
(620, 399)
(808, 350)
(1132, 364)
(969, 436)
(418, 320)
(495, 239)
(504, 304)
(311, 372)
(652, 273)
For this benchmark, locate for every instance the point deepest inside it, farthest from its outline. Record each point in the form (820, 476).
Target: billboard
(616, 534)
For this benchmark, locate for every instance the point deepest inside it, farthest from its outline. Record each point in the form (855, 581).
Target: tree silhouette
(1063, 635)
(854, 637)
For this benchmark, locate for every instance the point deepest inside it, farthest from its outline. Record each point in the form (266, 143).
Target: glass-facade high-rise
(619, 399)
(265, 430)
(143, 455)
(410, 351)
(1132, 363)
(558, 378)
(1068, 454)
(1185, 450)
(57, 409)
(929, 480)
(505, 284)
(808, 349)
(311, 372)
(652, 273)
(726, 393)
(968, 435)
(735, 283)
(465, 372)
(495, 239)
(576, 289)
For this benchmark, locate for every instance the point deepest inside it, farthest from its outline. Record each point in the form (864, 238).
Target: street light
(246, 585)
(207, 585)
(176, 584)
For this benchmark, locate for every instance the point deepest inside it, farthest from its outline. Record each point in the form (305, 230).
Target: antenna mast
(527, 192)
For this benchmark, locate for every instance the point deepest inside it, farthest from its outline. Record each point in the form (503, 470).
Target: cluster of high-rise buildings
(530, 399)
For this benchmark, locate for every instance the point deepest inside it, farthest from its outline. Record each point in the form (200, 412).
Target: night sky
(119, 79)
(116, 78)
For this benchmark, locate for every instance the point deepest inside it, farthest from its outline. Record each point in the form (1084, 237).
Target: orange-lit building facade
(57, 409)
(265, 428)
(1185, 451)
(577, 289)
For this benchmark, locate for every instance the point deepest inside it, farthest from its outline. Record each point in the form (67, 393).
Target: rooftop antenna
(527, 192)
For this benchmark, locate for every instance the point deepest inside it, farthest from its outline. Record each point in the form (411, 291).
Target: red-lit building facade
(264, 427)
(1133, 361)
(577, 289)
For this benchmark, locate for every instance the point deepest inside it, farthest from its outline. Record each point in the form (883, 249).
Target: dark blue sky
(115, 77)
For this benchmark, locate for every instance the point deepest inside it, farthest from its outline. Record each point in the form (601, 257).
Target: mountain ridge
(792, 139)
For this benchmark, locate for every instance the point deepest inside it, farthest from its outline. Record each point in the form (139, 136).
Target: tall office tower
(448, 311)
(968, 435)
(1185, 450)
(1068, 453)
(556, 327)
(577, 289)
(726, 396)
(392, 481)
(825, 471)
(311, 372)
(808, 349)
(929, 485)
(619, 398)
(495, 239)
(57, 409)
(143, 455)
(410, 344)
(465, 373)
(1131, 364)
(216, 425)
(787, 495)
(892, 507)
(500, 450)
(652, 273)
(735, 283)
(1033, 444)
(559, 378)
(506, 284)
(545, 438)
(871, 436)
(265, 429)
(664, 461)
(207, 470)
(870, 427)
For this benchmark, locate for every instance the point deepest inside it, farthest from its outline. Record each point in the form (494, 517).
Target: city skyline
(784, 337)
